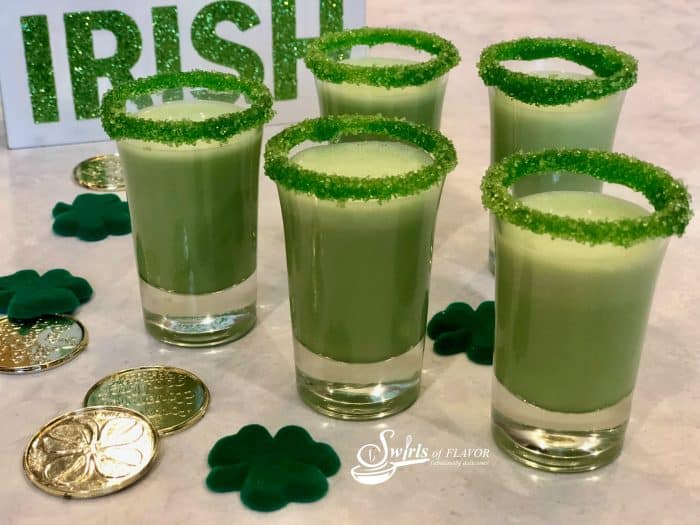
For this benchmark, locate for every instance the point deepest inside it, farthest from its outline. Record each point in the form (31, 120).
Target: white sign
(60, 56)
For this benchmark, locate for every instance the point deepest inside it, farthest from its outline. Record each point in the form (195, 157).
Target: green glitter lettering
(212, 47)
(85, 69)
(37, 54)
(287, 49)
(166, 36)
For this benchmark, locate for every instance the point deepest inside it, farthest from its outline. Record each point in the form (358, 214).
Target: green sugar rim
(120, 125)
(668, 196)
(615, 71)
(290, 175)
(326, 68)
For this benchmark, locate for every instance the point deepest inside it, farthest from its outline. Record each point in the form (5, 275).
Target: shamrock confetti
(459, 328)
(92, 217)
(26, 295)
(271, 472)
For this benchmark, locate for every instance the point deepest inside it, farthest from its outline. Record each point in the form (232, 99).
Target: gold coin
(91, 452)
(172, 398)
(101, 173)
(39, 344)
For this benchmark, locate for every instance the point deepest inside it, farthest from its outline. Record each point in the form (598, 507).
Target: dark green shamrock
(458, 328)
(452, 328)
(26, 295)
(271, 472)
(92, 217)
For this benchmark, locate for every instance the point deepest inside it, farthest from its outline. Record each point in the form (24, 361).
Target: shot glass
(575, 276)
(189, 144)
(553, 93)
(371, 71)
(359, 218)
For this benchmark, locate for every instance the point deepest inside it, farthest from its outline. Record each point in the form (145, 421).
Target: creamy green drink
(359, 219)
(422, 104)
(576, 311)
(575, 277)
(192, 190)
(363, 297)
(516, 126)
(538, 101)
(382, 85)
(191, 169)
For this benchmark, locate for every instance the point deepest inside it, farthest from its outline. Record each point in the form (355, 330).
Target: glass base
(358, 391)
(197, 320)
(557, 441)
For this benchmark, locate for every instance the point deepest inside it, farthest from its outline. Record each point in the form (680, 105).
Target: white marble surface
(656, 480)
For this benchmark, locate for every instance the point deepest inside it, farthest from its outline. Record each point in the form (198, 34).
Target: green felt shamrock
(92, 217)
(458, 328)
(26, 295)
(271, 472)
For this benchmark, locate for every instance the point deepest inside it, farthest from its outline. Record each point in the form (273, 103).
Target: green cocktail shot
(550, 331)
(191, 169)
(359, 219)
(214, 258)
(388, 86)
(575, 277)
(343, 318)
(516, 126)
(422, 104)
(538, 102)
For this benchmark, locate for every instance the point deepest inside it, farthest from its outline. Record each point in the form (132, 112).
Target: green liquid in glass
(422, 104)
(571, 317)
(359, 271)
(516, 126)
(193, 208)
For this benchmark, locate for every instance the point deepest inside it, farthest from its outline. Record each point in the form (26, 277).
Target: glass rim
(615, 70)
(668, 196)
(317, 59)
(281, 169)
(120, 125)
